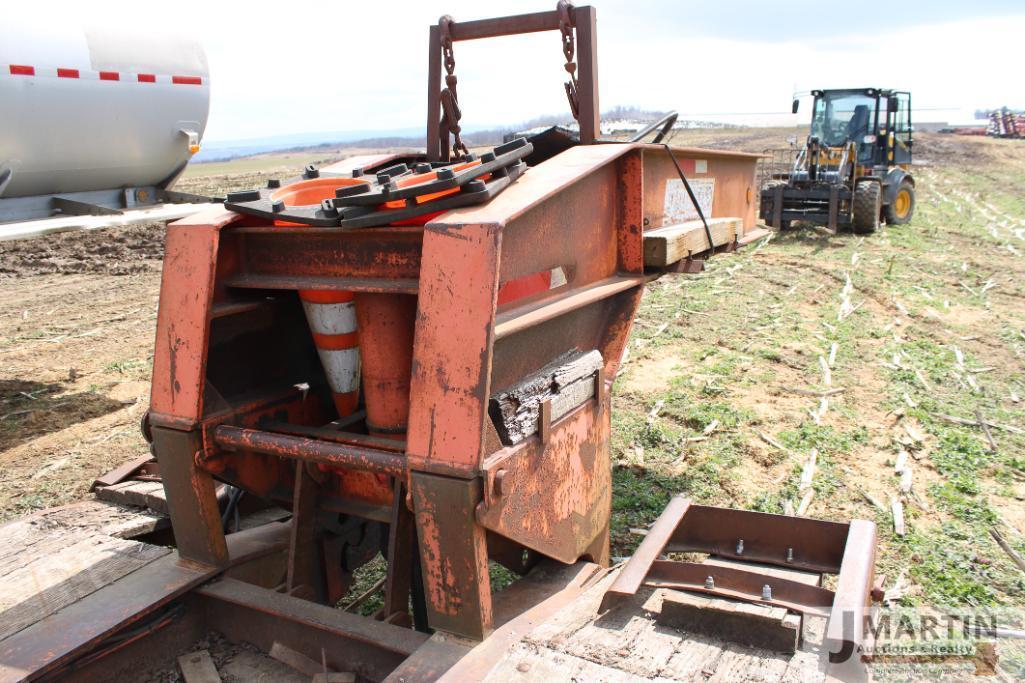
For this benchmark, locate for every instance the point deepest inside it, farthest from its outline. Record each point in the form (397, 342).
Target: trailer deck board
(628, 644)
(56, 557)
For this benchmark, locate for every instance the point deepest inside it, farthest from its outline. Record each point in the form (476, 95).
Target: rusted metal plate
(633, 574)
(733, 174)
(183, 323)
(191, 498)
(453, 554)
(808, 544)
(452, 351)
(378, 258)
(740, 584)
(845, 631)
(124, 471)
(555, 498)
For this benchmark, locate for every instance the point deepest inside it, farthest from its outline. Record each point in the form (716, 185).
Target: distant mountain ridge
(225, 150)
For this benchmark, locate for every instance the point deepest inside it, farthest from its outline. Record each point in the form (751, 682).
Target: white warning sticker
(678, 206)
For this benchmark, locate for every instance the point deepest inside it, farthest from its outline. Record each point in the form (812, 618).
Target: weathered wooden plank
(564, 623)
(62, 576)
(566, 382)
(531, 663)
(738, 663)
(759, 626)
(696, 658)
(668, 244)
(198, 667)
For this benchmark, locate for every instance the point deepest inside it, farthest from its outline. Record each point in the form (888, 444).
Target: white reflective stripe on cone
(341, 368)
(331, 318)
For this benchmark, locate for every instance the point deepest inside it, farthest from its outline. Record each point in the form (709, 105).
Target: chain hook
(566, 28)
(451, 113)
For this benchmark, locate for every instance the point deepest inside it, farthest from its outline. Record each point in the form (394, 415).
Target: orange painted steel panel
(452, 348)
(733, 172)
(570, 474)
(183, 316)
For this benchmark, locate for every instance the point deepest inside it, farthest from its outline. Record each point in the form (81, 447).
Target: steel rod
(311, 450)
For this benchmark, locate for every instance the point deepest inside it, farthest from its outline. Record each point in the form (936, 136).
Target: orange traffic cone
(332, 319)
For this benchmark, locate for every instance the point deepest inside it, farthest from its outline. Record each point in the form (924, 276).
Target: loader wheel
(902, 208)
(868, 199)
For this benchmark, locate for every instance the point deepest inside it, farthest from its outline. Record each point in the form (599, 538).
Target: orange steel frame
(232, 347)
(239, 396)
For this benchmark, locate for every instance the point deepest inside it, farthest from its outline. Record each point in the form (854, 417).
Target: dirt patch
(109, 251)
(650, 375)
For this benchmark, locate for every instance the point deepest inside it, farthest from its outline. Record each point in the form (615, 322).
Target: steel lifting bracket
(812, 545)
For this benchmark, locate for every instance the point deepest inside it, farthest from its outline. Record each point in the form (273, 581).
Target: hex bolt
(487, 157)
(273, 183)
(311, 172)
(709, 583)
(446, 174)
(790, 554)
(740, 547)
(766, 592)
(500, 485)
(278, 206)
(474, 186)
(383, 178)
(422, 168)
(357, 172)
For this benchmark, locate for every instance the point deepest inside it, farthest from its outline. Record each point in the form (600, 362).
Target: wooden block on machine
(198, 667)
(671, 243)
(760, 626)
(565, 383)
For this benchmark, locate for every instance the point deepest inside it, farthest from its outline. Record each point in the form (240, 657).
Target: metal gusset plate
(439, 179)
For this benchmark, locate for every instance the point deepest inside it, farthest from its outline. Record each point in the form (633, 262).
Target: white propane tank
(85, 109)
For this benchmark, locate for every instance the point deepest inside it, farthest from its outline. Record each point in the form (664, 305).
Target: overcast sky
(300, 66)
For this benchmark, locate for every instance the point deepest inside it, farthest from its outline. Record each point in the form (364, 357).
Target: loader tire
(902, 208)
(868, 200)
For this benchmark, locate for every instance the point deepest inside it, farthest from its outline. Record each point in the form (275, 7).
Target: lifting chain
(565, 9)
(451, 113)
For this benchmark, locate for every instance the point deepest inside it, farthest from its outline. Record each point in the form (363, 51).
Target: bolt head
(501, 488)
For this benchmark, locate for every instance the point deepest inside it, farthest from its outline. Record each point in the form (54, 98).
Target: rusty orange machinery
(450, 321)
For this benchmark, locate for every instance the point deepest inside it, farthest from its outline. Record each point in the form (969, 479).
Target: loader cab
(867, 117)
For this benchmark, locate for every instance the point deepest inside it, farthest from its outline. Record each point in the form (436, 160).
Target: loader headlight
(869, 139)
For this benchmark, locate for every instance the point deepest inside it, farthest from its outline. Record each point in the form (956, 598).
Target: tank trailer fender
(891, 183)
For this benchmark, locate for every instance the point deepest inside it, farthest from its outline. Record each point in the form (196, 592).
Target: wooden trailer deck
(62, 558)
(53, 558)
(565, 639)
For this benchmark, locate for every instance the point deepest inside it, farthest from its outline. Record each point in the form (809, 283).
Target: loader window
(843, 116)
